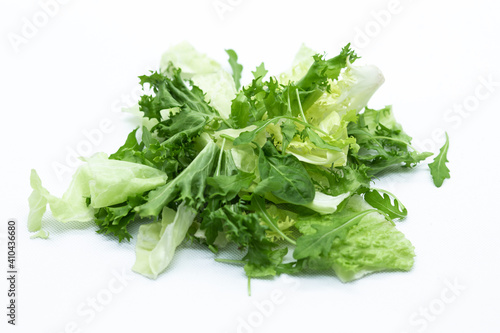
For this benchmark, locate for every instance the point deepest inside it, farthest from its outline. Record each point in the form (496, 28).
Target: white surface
(82, 66)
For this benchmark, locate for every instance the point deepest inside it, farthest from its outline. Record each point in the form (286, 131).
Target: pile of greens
(281, 164)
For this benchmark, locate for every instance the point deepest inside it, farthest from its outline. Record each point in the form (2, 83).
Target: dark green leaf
(394, 208)
(297, 187)
(439, 170)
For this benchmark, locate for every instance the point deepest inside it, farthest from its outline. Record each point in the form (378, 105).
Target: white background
(80, 66)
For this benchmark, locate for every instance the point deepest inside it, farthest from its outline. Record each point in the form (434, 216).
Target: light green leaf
(235, 66)
(354, 242)
(321, 242)
(102, 181)
(157, 241)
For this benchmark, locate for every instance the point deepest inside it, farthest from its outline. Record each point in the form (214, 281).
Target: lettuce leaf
(217, 84)
(355, 242)
(100, 182)
(157, 241)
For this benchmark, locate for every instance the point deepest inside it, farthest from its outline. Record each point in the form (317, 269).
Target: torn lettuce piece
(157, 241)
(37, 202)
(219, 90)
(189, 60)
(355, 248)
(100, 182)
(300, 65)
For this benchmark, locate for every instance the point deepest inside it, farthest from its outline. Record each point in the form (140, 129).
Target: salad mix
(283, 164)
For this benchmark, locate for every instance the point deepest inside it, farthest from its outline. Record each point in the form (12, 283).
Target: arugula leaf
(439, 170)
(249, 136)
(382, 142)
(296, 186)
(258, 204)
(351, 245)
(321, 241)
(336, 181)
(383, 203)
(235, 66)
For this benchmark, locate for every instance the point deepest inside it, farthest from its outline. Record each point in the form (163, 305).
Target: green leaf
(254, 270)
(439, 170)
(188, 186)
(40, 234)
(260, 72)
(336, 181)
(116, 219)
(157, 241)
(99, 183)
(229, 186)
(318, 141)
(382, 142)
(172, 92)
(321, 242)
(235, 66)
(394, 208)
(353, 246)
(274, 101)
(296, 186)
(288, 130)
(322, 70)
(240, 111)
(127, 150)
(258, 204)
(316, 80)
(249, 136)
